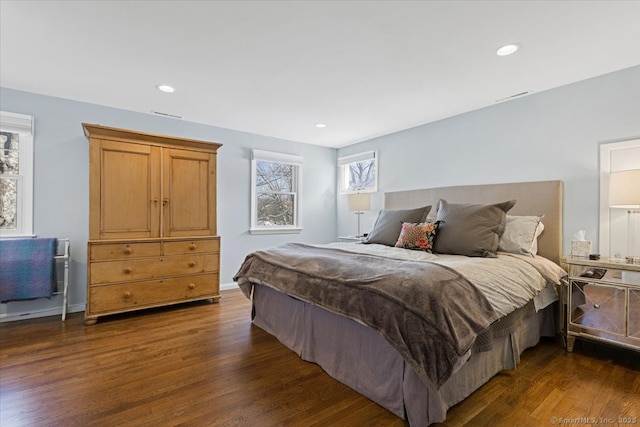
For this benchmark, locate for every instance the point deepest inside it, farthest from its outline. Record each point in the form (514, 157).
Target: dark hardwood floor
(204, 364)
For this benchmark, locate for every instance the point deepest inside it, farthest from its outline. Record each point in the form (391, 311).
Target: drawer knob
(192, 247)
(596, 306)
(192, 285)
(127, 294)
(192, 263)
(127, 250)
(127, 270)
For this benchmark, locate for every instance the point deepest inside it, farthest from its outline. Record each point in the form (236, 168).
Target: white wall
(548, 135)
(544, 136)
(61, 199)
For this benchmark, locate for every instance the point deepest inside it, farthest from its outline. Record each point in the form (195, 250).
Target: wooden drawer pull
(127, 270)
(127, 295)
(192, 264)
(127, 251)
(192, 247)
(192, 285)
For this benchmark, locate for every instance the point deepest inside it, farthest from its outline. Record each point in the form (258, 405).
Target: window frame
(610, 219)
(343, 164)
(23, 125)
(274, 157)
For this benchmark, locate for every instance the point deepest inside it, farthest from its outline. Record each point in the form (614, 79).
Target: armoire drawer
(191, 246)
(100, 252)
(152, 268)
(126, 296)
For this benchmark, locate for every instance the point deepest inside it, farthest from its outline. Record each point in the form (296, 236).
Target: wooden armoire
(152, 221)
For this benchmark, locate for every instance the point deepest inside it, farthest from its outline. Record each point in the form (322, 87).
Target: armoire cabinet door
(189, 193)
(125, 186)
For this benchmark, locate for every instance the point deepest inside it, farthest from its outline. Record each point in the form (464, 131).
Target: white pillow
(520, 235)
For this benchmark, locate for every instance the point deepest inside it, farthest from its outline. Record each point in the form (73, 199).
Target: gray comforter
(429, 313)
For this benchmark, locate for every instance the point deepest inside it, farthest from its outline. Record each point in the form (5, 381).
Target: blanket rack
(62, 255)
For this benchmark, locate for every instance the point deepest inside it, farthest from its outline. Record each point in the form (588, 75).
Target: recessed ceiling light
(321, 125)
(507, 50)
(166, 88)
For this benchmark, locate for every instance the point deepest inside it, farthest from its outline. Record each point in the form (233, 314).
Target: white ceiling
(276, 68)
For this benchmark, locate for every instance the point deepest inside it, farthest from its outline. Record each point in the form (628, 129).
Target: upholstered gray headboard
(532, 198)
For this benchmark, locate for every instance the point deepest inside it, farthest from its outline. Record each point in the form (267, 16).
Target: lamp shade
(624, 189)
(359, 202)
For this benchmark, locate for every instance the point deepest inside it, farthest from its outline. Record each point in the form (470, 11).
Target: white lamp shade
(624, 189)
(359, 202)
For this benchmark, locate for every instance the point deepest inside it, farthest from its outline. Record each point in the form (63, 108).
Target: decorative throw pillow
(471, 230)
(418, 237)
(389, 222)
(521, 234)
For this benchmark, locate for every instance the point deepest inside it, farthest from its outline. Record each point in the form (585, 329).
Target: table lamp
(359, 203)
(624, 193)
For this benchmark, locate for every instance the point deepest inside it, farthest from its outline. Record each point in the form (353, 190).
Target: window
(359, 173)
(16, 174)
(275, 192)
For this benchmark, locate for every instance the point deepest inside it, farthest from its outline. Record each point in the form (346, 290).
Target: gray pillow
(471, 230)
(520, 235)
(389, 224)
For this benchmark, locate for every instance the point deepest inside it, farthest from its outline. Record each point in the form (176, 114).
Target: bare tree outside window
(9, 171)
(16, 174)
(362, 175)
(359, 172)
(276, 193)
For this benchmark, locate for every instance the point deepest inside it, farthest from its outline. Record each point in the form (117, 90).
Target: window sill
(16, 236)
(362, 190)
(288, 230)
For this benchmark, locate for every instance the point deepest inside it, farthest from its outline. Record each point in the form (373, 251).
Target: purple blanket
(27, 268)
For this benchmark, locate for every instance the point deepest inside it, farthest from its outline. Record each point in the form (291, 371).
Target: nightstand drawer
(634, 314)
(597, 307)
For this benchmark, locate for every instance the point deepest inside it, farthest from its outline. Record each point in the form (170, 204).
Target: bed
(365, 324)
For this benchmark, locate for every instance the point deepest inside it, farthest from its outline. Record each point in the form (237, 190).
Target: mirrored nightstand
(350, 239)
(603, 302)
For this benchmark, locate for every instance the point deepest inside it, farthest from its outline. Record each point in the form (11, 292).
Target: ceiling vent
(160, 113)
(512, 96)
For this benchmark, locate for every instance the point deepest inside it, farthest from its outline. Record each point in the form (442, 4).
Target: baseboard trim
(54, 311)
(228, 286)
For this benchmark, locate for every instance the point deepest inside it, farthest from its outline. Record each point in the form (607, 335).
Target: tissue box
(581, 248)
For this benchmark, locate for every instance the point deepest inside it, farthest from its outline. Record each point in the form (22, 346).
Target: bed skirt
(357, 355)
